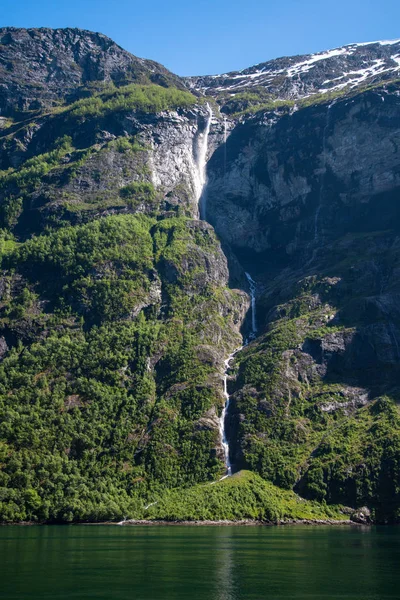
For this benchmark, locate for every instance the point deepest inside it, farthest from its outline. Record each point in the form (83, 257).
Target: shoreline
(222, 523)
(241, 523)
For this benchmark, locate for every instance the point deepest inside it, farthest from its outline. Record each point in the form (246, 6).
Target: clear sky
(193, 37)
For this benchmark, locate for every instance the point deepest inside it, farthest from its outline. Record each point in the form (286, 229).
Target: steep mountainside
(308, 199)
(119, 306)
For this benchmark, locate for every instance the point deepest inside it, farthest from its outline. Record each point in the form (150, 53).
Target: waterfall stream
(200, 181)
(201, 164)
(222, 428)
(252, 336)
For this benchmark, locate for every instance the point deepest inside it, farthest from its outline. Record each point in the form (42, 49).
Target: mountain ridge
(302, 76)
(41, 67)
(284, 78)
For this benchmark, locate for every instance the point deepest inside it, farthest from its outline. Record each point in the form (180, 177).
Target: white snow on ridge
(265, 74)
(381, 42)
(387, 42)
(306, 65)
(347, 49)
(396, 59)
(361, 75)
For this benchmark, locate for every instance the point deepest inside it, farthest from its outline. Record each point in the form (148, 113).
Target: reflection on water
(225, 565)
(199, 563)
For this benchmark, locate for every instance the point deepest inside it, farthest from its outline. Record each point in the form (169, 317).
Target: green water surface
(199, 563)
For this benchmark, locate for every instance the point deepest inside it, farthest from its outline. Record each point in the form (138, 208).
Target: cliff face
(116, 313)
(308, 200)
(106, 154)
(289, 183)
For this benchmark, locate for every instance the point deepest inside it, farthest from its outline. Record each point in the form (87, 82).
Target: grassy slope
(244, 496)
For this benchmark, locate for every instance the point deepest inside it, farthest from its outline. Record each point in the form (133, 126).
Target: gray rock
(361, 515)
(3, 347)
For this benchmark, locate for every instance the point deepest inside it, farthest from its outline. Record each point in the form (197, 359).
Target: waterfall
(222, 427)
(253, 289)
(200, 175)
(252, 336)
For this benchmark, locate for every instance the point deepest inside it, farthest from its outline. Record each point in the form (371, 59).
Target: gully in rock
(323, 173)
(200, 182)
(225, 410)
(253, 289)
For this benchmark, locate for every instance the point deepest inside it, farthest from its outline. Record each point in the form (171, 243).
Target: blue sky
(206, 37)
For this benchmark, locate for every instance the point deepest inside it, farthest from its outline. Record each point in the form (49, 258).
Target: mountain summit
(40, 67)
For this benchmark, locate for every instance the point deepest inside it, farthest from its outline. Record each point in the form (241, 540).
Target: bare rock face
(167, 158)
(287, 183)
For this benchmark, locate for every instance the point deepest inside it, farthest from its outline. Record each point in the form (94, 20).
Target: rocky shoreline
(244, 522)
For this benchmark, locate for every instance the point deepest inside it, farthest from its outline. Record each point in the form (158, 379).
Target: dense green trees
(100, 399)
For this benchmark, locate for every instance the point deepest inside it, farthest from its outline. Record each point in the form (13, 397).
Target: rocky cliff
(307, 197)
(118, 305)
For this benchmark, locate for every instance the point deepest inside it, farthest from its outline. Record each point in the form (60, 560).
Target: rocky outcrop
(107, 154)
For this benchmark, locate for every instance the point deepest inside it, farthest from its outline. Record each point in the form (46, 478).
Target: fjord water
(199, 563)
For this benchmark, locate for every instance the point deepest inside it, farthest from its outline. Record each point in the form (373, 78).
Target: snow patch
(306, 65)
(396, 59)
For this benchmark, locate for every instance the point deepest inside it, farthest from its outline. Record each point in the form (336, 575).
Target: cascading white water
(253, 334)
(200, 175)
(222, 428)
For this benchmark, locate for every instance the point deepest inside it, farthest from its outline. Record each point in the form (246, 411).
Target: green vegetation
(243, 496)
(136, 193)
(101, 399)
(303, 424)
(38, 166)
(251, 102)
(113, 329)
(133, 97)
(69, 165)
